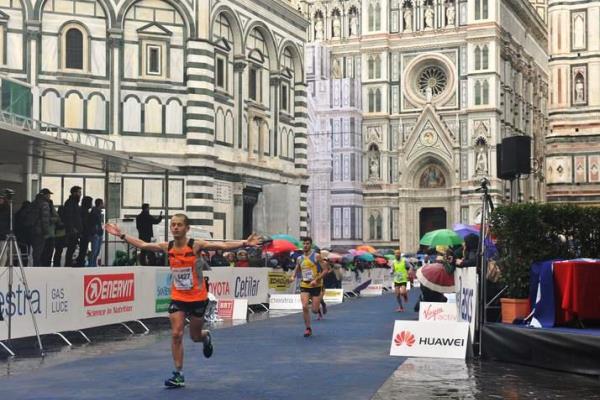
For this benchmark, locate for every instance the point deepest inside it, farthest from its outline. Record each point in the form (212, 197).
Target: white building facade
(573, 143)
(408, 100)
(213, 88)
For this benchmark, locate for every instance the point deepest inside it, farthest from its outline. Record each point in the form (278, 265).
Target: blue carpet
(347, 358)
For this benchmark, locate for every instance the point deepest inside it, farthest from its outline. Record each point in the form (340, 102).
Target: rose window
(434, 78)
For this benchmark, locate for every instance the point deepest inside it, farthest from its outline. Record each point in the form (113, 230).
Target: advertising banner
(372, 290)
(240, 283)
(466, 283)
(279, 282)
(430, 339)
(333, 296)
(163, 290)
(285, 302)
(437, 312)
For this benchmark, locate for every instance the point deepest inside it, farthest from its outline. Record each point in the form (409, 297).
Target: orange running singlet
(185, 285)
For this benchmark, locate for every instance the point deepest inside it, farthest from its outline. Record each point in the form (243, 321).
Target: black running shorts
(194, 308)
(313, 291)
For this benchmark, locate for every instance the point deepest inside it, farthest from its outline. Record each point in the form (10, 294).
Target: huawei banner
(430, 339)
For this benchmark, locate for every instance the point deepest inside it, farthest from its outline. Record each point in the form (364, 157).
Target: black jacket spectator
(144, 222)
(41, 209)
(23, 233)
(72, 216)
(4, 218)
(95, 222)
(218, 260)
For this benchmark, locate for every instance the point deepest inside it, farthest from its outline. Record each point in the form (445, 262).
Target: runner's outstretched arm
(114, 230)
(253, 240)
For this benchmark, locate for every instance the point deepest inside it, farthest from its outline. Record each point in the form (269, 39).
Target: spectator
(230, 257)
(73, 223)
(84, 237)
(469, 256)
(46, 260)
(144, 222)
(22, 231)
(59, 238)
(39, 214)
(4, 223)
(218, 259)
(242, 259)
(96, 231)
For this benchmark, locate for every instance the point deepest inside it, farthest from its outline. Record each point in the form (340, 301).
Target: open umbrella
(279, 246)
(334, 256)
(367, 248)
(289, 238)
(347, 258)
(435, 277)
(366, 257)
(441, 237)
(390, 256)
(381, 261)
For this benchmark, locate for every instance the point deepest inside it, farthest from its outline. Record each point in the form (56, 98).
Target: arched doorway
(430, 219)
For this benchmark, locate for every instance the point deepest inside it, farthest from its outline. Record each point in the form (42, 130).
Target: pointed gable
(154, 29)
(430, 134)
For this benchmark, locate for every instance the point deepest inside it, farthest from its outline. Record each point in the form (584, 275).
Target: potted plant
(515, 275)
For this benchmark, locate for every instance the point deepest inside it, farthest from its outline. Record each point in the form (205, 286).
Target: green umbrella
(441, 237)
(366, 257)
(390, 256)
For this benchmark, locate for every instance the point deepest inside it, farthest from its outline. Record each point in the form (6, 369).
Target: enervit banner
(285, 302)
(465, 280)
(333, 296)
(437, 312)
(430, 339)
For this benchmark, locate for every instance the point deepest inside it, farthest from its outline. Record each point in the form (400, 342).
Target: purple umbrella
(463, 230)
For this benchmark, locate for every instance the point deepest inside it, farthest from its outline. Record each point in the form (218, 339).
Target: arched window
(259, 55)
(222, 29)
(372, 227)
(477, 58)
(379, 227)
(477, 93)
(378, 100)
(371, 101)
(485, 98)
(371, 65)
(377, 16)
(74, 47)
(485, 57)
(371, 17)
(378, 67)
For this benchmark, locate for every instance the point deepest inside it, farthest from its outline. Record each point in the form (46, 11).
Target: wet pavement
(413, 379)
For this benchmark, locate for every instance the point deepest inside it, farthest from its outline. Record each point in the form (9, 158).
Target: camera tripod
(10, 248)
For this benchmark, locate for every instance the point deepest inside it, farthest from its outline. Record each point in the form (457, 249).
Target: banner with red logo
(106, 294)
(430, 339)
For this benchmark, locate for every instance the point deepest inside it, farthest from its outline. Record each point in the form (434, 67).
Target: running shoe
(176, 381)
(400, 309)
(307, 332)
(208, 347)
(319, 315)
(324, 308)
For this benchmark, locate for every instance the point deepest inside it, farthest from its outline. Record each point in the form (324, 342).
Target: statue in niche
(408, 15)
(450, 14)
(429, 17)
(579, 90)
(481, 160)
(374, 166)
(319, 29)
(353, 25)
(432, 178)
(337, 26)
(336, 69)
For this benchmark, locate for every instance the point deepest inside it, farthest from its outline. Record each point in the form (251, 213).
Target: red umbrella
(380, 261)
(435, 277)
(279, 246)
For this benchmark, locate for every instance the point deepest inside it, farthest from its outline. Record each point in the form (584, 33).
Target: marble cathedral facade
(573, 142)
(407, 100)
(215, 88)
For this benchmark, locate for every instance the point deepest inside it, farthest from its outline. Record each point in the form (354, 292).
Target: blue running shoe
(176, 381)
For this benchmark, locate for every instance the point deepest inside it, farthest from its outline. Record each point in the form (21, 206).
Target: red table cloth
(577, 290)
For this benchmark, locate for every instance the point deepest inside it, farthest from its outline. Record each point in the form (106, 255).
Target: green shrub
(526, 233)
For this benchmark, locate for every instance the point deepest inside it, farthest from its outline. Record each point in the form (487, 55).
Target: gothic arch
(177, 5)
(413, 175)
(109, 11)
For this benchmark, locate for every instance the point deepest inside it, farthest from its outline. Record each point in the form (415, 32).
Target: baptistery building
(214, 89)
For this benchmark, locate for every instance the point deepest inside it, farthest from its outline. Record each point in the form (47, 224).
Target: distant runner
(400, 274)
(312, 271)
(189, 294)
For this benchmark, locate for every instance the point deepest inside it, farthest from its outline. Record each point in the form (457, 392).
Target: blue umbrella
(366, 257)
